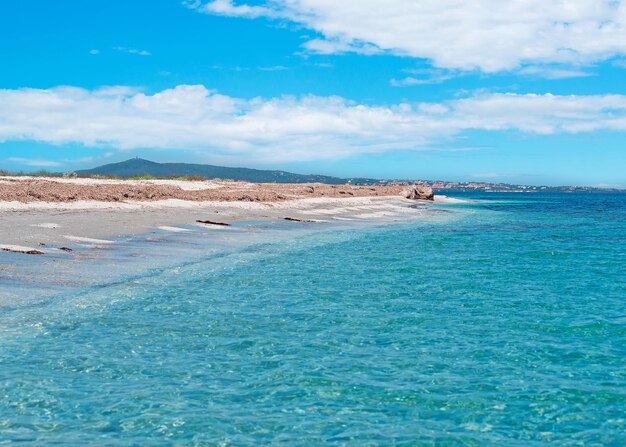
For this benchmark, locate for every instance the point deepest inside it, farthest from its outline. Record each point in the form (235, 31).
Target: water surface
(498, 322)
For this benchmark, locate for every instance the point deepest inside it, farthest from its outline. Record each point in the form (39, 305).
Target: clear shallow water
(499, 322)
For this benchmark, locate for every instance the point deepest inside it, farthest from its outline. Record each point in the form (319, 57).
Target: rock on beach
(419, 192)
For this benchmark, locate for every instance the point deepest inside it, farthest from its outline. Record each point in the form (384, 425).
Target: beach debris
(20, 249)
(66, 249)
(419, 192)
(210, 222)
(293, 219)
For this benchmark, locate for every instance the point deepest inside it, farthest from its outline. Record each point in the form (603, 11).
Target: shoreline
(42, 224)
(41, 212)
(48, 247)
(97, 247)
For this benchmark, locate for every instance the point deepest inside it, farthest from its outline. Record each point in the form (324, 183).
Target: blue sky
(366, 88)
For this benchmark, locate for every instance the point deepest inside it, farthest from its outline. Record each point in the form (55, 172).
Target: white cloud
(37, 163)
(409, 81)
(426, 76)
(227, 8)
(554, 72)
(133, 51)
(489, 35)
(274, 68)
(620, 63)
(285, 128)
(94, 52)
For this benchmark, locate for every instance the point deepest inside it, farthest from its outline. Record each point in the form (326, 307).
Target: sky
(524, 91)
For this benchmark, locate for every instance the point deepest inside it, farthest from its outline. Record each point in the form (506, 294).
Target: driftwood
(24, 251)
(292, 219)
(210, 222)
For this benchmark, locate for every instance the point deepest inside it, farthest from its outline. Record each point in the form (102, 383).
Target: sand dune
(29, 190)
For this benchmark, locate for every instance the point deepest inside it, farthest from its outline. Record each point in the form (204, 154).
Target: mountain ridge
(138, 167)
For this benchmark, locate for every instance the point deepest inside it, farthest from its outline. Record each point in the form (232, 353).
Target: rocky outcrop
(419, 192)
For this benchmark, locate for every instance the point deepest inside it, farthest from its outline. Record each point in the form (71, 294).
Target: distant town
(494, 187)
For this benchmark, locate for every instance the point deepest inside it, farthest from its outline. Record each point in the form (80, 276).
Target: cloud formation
(133, 51)
(35, 163)
(488, 35)
(284, 128)
(423, 77)
(228, 8)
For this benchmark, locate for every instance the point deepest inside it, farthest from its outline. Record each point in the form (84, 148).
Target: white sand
(97, 223)
(46, 225)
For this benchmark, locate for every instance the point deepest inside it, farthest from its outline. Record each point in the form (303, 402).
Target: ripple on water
(503, 327)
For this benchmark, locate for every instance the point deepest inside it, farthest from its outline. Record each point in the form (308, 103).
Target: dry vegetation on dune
(27, 190)
(70, 175)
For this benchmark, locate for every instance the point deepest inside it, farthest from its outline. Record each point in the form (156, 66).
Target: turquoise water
(498, 322)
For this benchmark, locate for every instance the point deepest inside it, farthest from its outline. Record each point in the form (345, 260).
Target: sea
(497, 320)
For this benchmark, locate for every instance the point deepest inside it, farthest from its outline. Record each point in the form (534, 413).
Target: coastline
(51, 247)
(305, 302)
(45, 224)
(50, 212)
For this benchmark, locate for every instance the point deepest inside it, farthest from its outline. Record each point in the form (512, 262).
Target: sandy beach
(44, 214)
(62, 233)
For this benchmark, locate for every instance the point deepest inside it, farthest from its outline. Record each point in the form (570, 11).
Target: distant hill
(138, 167)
